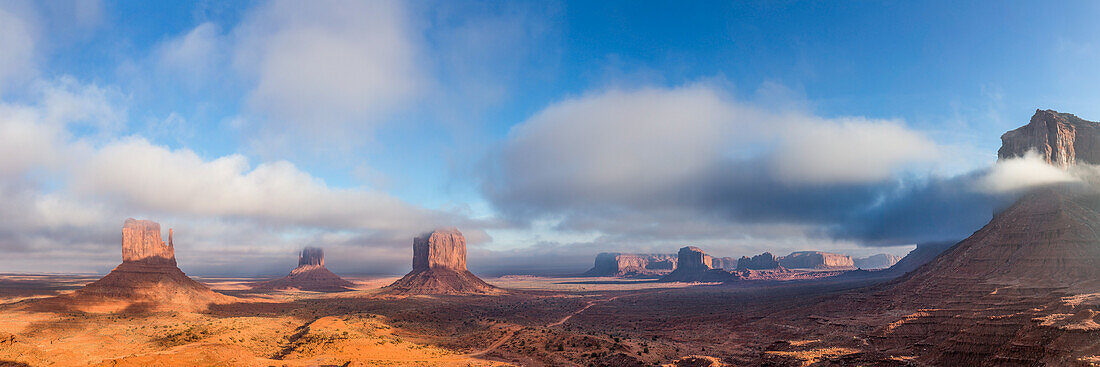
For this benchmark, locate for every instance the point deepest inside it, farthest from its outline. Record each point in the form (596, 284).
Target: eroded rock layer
(632, 265)
(439, 267)
(1060, 139)
(1022, 291)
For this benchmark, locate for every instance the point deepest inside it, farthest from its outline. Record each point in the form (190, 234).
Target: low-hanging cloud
(1020, 173)
(691, 164)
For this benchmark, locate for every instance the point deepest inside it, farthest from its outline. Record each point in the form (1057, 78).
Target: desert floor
(539, 321)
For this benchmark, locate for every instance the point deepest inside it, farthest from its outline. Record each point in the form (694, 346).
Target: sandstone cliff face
(692, 265)
(816, 260)
(1060, 139)
(439, 267)
(632, 265)
(440, 249)
(759, 262)
(141, 243)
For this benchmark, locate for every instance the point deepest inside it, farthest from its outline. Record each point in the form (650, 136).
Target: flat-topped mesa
(763, 261)
(439, 267)
(141, 243)
(878, 261)
(1060, 139)
(610, 264)
(311, 256)
(440, 249)
(816, 260)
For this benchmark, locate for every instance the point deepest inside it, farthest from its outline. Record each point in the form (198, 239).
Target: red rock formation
(1024, 290)
(816, 260)
(982, 301)
(141, 243)
(632, 265)
(1060, 139)
(147, 279)
(310, 275)
(439, 267)
(879, 261)
(759, 262)
(695, 266)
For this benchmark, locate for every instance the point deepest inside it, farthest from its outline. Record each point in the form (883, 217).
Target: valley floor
(539, 321)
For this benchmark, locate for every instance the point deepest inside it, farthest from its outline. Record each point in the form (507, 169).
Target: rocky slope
(310, 275)
(1060, 139)
(610, 264)
(439, 267)
(1012, 293)
(1024, 290)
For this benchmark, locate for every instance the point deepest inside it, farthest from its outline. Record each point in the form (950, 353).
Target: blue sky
(548, 130)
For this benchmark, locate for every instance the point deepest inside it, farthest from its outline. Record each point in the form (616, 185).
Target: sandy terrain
(537, 322)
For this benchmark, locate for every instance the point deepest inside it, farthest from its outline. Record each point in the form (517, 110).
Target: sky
(546, 131)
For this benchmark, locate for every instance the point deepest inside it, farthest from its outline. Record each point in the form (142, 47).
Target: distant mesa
(609, 264)
(310, 275)
(879, 261)
(759, 262)
(1060, 139)
(439, 267)
(816, 260)
(724, 263)
(147, 279)
(693, 265)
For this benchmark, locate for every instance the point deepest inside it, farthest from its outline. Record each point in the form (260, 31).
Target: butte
(147, 279)
(310, 275)
(439, 267)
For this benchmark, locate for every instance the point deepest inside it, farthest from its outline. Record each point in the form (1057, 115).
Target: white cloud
(36, 136)
(69, 211)
(848, 150)
(135, 172)
(619, 144)
(198, 55)
(1015, 174)
(626, 146)
(329, 64)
